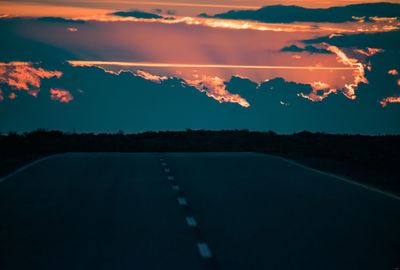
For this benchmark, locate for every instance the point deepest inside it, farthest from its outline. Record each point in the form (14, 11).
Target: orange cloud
(384, 102)
(215, 87)
(24, 76)
(335, 35)
(150, 77)
(393, 72)
(320, 90)
(72, 29)
(383, 19)
(358, 74)
(61, 95)
(369, 51)
(358, 19)
(12, 96)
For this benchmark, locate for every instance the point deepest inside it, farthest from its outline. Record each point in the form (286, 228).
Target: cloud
(382, 40)
(359, 72)
(137, 14)
(61, 95)
(112, 101)
(368, 51)
(288, 14)
(72, 29)
(60, 20)
(215, 88)
(150, 77)
(24, 76)
(384, 102)
(307, 48)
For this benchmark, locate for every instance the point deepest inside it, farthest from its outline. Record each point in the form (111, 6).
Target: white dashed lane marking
(182, 201)
(191, 221)
(204, 250)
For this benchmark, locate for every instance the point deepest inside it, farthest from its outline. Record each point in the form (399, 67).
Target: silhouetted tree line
(363, 157)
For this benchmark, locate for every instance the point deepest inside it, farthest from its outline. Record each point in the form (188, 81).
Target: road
(191, 211)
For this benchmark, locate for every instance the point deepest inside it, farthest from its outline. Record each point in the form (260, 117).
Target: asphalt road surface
(191, 211)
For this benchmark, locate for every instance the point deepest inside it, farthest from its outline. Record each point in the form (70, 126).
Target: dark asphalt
(248, 211)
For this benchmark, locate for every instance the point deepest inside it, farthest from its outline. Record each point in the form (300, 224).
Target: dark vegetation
(373, 160)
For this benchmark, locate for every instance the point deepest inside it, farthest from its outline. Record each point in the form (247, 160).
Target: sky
(104, 66)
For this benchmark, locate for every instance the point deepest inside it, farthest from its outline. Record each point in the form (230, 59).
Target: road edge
(344, 179)
(15, 172)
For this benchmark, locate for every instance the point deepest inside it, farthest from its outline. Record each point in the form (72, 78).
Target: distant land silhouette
(369, 159)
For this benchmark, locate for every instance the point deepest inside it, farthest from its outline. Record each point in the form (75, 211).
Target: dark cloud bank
(288, 14)
(108, 102)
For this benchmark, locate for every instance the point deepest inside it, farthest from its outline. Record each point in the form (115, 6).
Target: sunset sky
(146, 65)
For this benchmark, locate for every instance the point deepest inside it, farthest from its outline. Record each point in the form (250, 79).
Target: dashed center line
(182, 201)
(204, 250)
(202, 246)
(191, 221)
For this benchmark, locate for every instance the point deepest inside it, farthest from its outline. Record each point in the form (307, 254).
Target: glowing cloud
(61, 95)
(384, 102)
(150, 77)
(320, 90)
(12, 96)
(24, 76)
(72, 29)
(393, 72)
(215, 87)
(383, 19)
(369, 51)
(358, 74)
